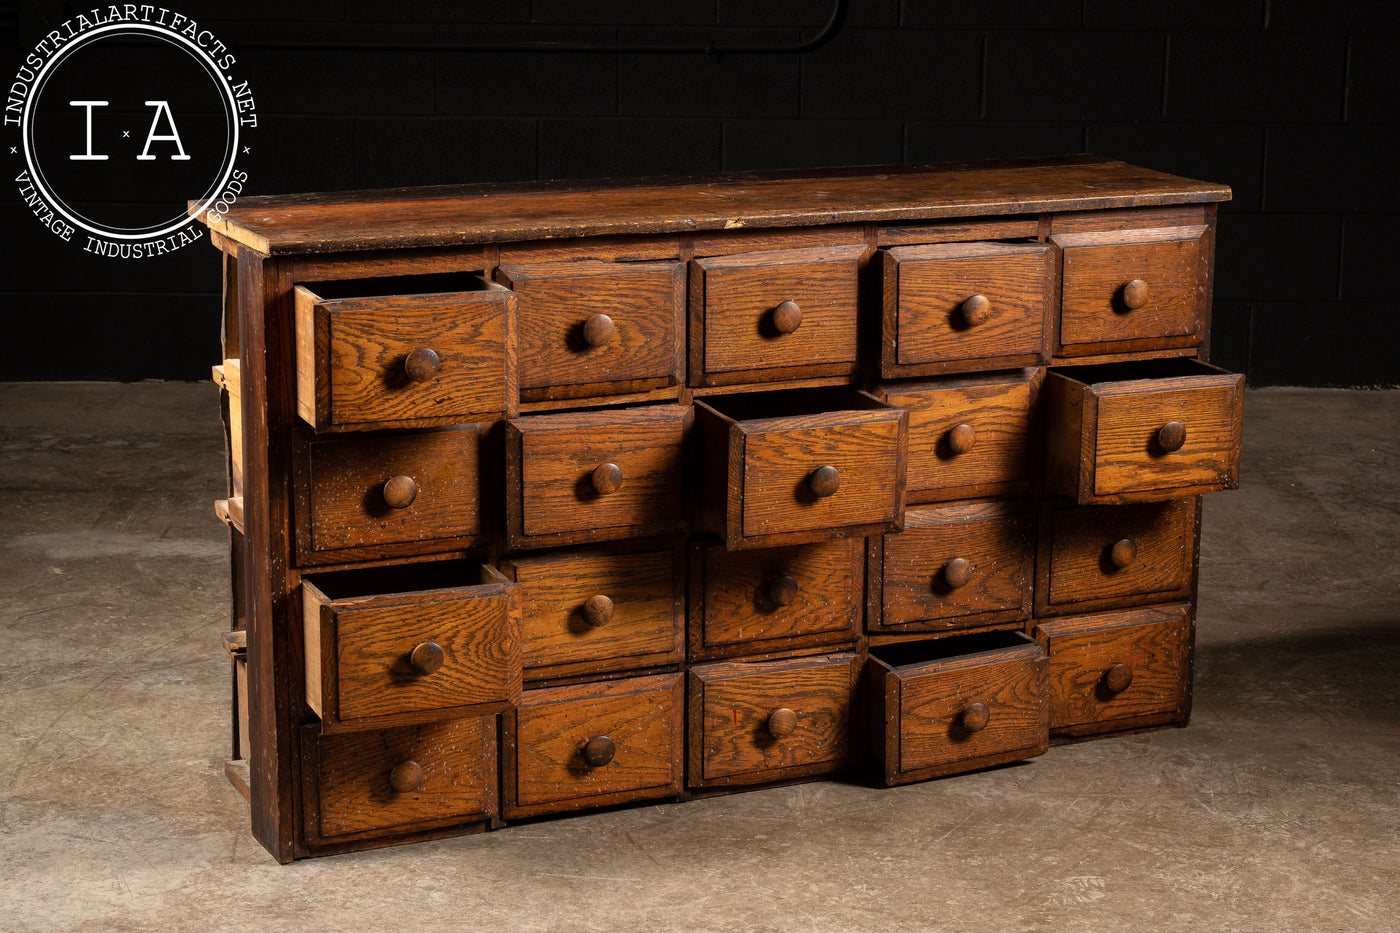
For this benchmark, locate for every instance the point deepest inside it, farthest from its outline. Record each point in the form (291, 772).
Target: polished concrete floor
(1277, 810)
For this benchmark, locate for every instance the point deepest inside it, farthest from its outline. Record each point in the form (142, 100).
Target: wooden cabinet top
(496, 213)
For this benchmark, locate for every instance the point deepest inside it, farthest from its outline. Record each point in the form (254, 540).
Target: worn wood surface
(1153, 645)
(1011, 228)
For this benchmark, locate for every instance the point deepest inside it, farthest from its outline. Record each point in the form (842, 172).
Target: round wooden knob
(1135, 294)
(782, 590)
(598, 611)
(962, 438)
(1117, 678)
(427, 657)
(781, 722)
(599, 750)
(421, 365)
(1171, 436)
(399, 492)
(598, 330)
(824, 481)
(974, 717)
(976, 309)
(957, 573)
(607, 478)
(1123, 553)
(787, 317)
(406, 776)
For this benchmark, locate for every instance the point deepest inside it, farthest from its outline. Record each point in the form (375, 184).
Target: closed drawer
(1118, 670)
(597, 328)
(768, 721)
(1135, 431)
(415, 643)
(369, 356)
(406, 779)
(595, 476)
(361, 492)
(954, 567)
(966, 306)
(956, 704)
(774, 315)
(802, 465)
(594, 744)
(1105, 556)
(1126, 290)
(586, 612)
(970, 437)
(772, 599)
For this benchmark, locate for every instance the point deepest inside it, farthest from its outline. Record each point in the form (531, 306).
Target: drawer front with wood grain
(597, 328)
(795, 466)
(596, 476)
(595, 611)
(593, 744)
(1118, 670)
(406, 779)
(955, 567)
(751, 723)
(774, 315)
(373, 361)
(966, 306)
(1150, 430)
(1104, 556)
(1125, 288)
(376, 658)
(956, 704)
(970, 436)
(748, 602)
(368, 492)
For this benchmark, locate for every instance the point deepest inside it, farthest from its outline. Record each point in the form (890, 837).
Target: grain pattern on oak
(351, 353)
(1154, 644)
(346, 505)
(647, 610)
(734, 609)
(545, 738)
(644, 301)
(459, 776)
(732, 703)
(994, 538)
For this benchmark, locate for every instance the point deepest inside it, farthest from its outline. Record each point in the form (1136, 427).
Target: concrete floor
(1277, 810)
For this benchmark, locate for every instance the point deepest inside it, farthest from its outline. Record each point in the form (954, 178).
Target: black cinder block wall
(1291, 102)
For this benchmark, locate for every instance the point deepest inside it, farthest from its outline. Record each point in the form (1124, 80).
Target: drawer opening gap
(905, 654)
(1140, 369)
(381, 581)
(387, 286)
(785, 403)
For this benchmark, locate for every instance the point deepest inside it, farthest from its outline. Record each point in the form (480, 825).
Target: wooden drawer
(956, 704)
(595, 611)
(774, 315)
(597, 328)
(595, 476)
(966, 306)
(955, 567)
(769, 721)
(408, 779)
(229, 377)
(1125, 290)
(970, 437)
(1138, 431)
(593, 744)
(369, 356)
(365, 493)
(772, 599)
(1118, 670)
(1117, 555)
(804, 465)
(412, 643)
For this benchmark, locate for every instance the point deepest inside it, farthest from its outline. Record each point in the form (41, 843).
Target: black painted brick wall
(1290, 102)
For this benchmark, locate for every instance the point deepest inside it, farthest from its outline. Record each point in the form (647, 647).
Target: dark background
(1290, 102)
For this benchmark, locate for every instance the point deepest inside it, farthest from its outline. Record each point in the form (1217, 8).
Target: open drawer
(409, 644)
(1129, 432)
